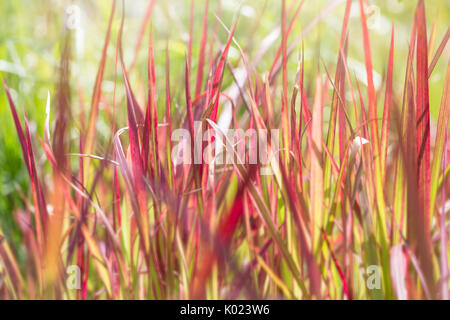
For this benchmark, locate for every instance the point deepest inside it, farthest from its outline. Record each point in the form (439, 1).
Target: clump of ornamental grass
(353, 208)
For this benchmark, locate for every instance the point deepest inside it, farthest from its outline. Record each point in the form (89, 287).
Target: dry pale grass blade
(399, 272)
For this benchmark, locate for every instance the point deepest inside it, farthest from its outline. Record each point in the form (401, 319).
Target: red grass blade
(337, 107)
(211, 112)
(316, 176)
(340, 79)
(188, 99)
(150, 141)
(370, 86)
(387, 106)
(191, 28)
(148, 13)
(135, 182)
(90, 133)
(423, 126)
(201, 57)
(439, 52)
(338, 267)
(41, 214)
(380, 221)
(168, 115)
(284, 100)
(291, 25)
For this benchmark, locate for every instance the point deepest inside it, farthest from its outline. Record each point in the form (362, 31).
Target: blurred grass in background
(31, 39)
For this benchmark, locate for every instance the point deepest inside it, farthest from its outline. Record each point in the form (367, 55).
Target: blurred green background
(31, 41)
